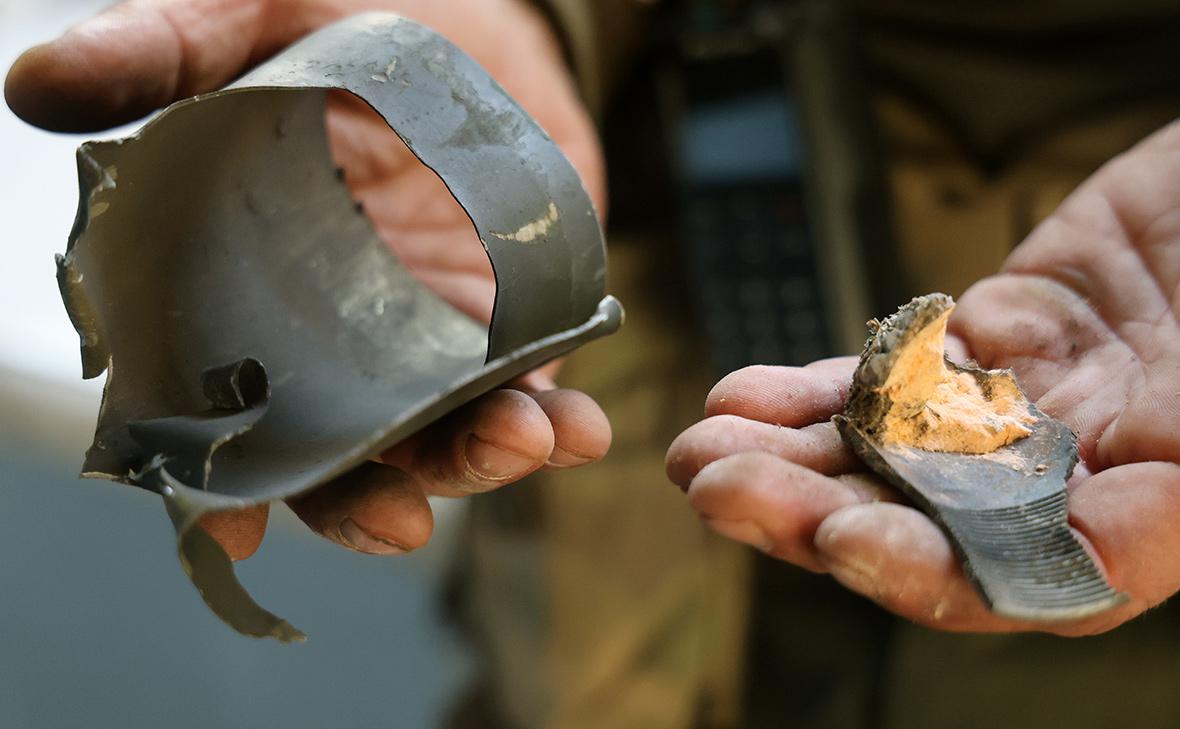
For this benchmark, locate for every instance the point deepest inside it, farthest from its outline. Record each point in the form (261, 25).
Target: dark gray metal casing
(259, 338)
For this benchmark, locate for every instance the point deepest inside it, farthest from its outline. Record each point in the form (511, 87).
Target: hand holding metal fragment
(259, 338)
(986, 464)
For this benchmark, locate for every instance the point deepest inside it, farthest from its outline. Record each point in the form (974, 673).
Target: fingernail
(561, 458)
(362, 541)
(744, 531)
(486, 462)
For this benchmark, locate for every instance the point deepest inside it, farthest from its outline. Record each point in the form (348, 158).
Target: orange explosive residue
(936, 408)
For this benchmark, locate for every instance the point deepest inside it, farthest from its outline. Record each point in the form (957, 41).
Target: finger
(143, 54)
(1129, 514)
(495, 440)
(789, 396)
(239, 532)
(1028, 322)
(1118, 226)
(817, 447)
(373, 509)
(581, 432)
(897, 557)
(956, 347)
(775, 505)
(538, 380)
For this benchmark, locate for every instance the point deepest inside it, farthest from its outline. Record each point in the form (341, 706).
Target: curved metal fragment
(1005, 512)
(259, 338)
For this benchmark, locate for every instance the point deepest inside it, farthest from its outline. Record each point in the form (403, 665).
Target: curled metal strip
(259, 338)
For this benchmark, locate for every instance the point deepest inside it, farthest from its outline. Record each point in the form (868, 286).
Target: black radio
(779, 198)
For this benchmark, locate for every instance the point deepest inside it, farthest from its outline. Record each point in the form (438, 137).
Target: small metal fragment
(1005, 512)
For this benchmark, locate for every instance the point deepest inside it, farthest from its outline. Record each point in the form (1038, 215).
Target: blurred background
(98, 625)
(777, 179)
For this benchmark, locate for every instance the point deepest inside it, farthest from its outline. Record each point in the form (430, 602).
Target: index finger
(792, 397)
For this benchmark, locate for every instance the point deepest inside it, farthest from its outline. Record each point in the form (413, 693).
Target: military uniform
(596, 597)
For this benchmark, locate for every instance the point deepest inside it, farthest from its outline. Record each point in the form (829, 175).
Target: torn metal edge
(202, 557)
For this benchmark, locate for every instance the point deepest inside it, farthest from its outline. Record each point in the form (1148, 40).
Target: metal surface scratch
(534, 231)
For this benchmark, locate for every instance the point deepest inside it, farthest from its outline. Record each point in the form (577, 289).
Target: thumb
(143, 54)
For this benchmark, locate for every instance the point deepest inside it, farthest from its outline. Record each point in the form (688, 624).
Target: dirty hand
(1085, 312)
(143, 54)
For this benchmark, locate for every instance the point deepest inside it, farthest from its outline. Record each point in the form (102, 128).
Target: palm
(410, 207)
(1085, 313)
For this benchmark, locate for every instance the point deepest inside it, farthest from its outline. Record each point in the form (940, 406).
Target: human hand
(1085, 312)
(143, 54)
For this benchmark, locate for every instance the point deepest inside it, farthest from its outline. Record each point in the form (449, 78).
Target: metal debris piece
(259, 338)
(1005, 512)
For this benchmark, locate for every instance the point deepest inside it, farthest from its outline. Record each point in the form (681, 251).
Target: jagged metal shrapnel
(259, 338)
